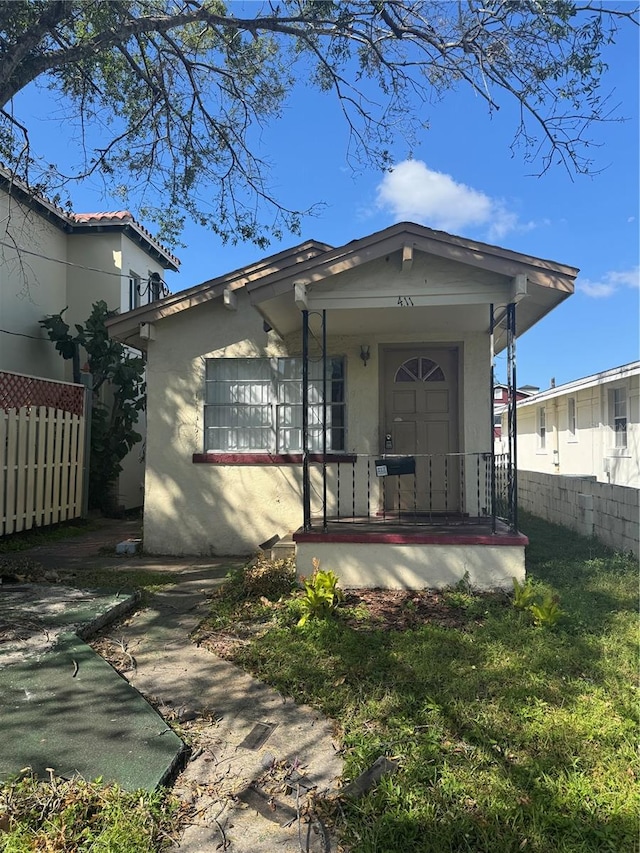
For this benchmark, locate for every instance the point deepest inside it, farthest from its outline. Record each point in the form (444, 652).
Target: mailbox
(395, 465)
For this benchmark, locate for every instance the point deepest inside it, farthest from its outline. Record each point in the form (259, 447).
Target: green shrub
(546, 613)
(321, 594)
(524, 594)
(544, 608)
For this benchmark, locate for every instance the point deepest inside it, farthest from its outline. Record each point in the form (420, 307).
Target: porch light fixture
(365, 353)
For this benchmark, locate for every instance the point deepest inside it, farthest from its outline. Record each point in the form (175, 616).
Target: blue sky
(461, 177)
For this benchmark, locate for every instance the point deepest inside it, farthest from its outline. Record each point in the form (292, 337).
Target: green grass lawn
(510, 737)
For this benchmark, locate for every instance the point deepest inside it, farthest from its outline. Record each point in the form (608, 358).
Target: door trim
(384, 349)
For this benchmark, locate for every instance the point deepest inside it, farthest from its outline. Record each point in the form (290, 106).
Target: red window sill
(267, 458)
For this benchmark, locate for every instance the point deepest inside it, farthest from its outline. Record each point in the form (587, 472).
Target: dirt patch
(401, 610)
(370, 610)
(115, 652)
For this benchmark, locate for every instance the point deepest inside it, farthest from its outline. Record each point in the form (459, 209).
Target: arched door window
(419, 370)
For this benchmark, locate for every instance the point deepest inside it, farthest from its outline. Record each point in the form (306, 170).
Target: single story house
(586, 428)
(343, 397)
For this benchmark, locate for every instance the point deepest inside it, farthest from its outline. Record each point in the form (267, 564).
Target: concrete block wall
(608, 512)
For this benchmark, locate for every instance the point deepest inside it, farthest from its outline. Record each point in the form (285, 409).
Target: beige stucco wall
(31, 286)
(42, 271)
(117, 256)
(592, 451)
(486, 567)
(218, 509)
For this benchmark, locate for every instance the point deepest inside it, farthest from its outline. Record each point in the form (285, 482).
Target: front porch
(398, 532)
(414, 558)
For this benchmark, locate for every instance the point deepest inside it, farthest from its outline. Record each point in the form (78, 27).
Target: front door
(420, 419)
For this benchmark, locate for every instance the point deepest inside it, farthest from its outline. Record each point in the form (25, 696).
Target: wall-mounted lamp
(365, 354)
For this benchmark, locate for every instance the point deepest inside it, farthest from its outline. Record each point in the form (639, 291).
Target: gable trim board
(310, 264)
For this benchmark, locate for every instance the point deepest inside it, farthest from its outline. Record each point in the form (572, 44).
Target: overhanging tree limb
(178, 86)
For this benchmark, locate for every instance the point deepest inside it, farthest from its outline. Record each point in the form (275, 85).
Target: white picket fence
(42, 452)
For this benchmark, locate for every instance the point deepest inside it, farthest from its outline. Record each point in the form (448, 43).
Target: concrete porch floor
(411, 529)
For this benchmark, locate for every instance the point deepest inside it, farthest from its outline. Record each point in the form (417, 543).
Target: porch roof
(305, 275)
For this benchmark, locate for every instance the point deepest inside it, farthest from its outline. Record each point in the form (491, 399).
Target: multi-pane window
(618, 408)
(571, 417)
(255, 405)
(542, 428)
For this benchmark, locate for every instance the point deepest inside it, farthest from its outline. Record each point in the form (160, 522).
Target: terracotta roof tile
(115, 217)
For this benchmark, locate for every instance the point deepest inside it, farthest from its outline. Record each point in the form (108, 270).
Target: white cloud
(412, 191)
(609, 283)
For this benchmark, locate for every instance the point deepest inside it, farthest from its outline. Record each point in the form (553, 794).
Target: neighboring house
(51, 259)
(285, 398)
(500, 404)
(589, 427)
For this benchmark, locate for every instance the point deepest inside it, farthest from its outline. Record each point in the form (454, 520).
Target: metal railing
(452, 488)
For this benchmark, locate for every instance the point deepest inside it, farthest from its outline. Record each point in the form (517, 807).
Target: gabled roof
(438, 243)
(82, 223)
(312, 262)
(613, 374)
(214, 287)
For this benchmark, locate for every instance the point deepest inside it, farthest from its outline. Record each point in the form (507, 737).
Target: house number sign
(405, 301)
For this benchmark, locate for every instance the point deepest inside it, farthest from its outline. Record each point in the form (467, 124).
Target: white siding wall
(591, 451)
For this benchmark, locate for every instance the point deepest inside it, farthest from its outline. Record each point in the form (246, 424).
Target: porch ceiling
(283, 315)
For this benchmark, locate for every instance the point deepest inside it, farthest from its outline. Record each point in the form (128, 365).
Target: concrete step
(284, 548)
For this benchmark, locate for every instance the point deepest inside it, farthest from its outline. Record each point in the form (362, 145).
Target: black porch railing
(457, 487)
(451, 488)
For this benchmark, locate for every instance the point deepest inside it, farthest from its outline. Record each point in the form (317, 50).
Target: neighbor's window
(255, 405)
(155, 286)
(134, 290)
(542, 429)
(571, 417)
(618, 410)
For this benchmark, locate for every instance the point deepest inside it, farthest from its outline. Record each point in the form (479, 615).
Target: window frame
(622, 445)
(135, 295)
(541, 428)
(283, 411)
(572, 419)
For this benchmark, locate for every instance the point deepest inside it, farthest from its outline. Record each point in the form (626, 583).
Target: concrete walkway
(256, 759)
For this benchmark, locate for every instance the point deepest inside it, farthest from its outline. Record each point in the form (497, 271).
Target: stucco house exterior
(342, 398)
(50, 259)
(586, 428)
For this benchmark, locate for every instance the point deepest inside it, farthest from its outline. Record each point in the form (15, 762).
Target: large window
(255, 405)
(618, 415)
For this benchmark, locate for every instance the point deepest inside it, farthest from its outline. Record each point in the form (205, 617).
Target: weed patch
(60, 816)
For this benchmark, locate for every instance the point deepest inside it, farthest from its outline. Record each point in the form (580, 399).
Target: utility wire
(19, 250)
(22, 335)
